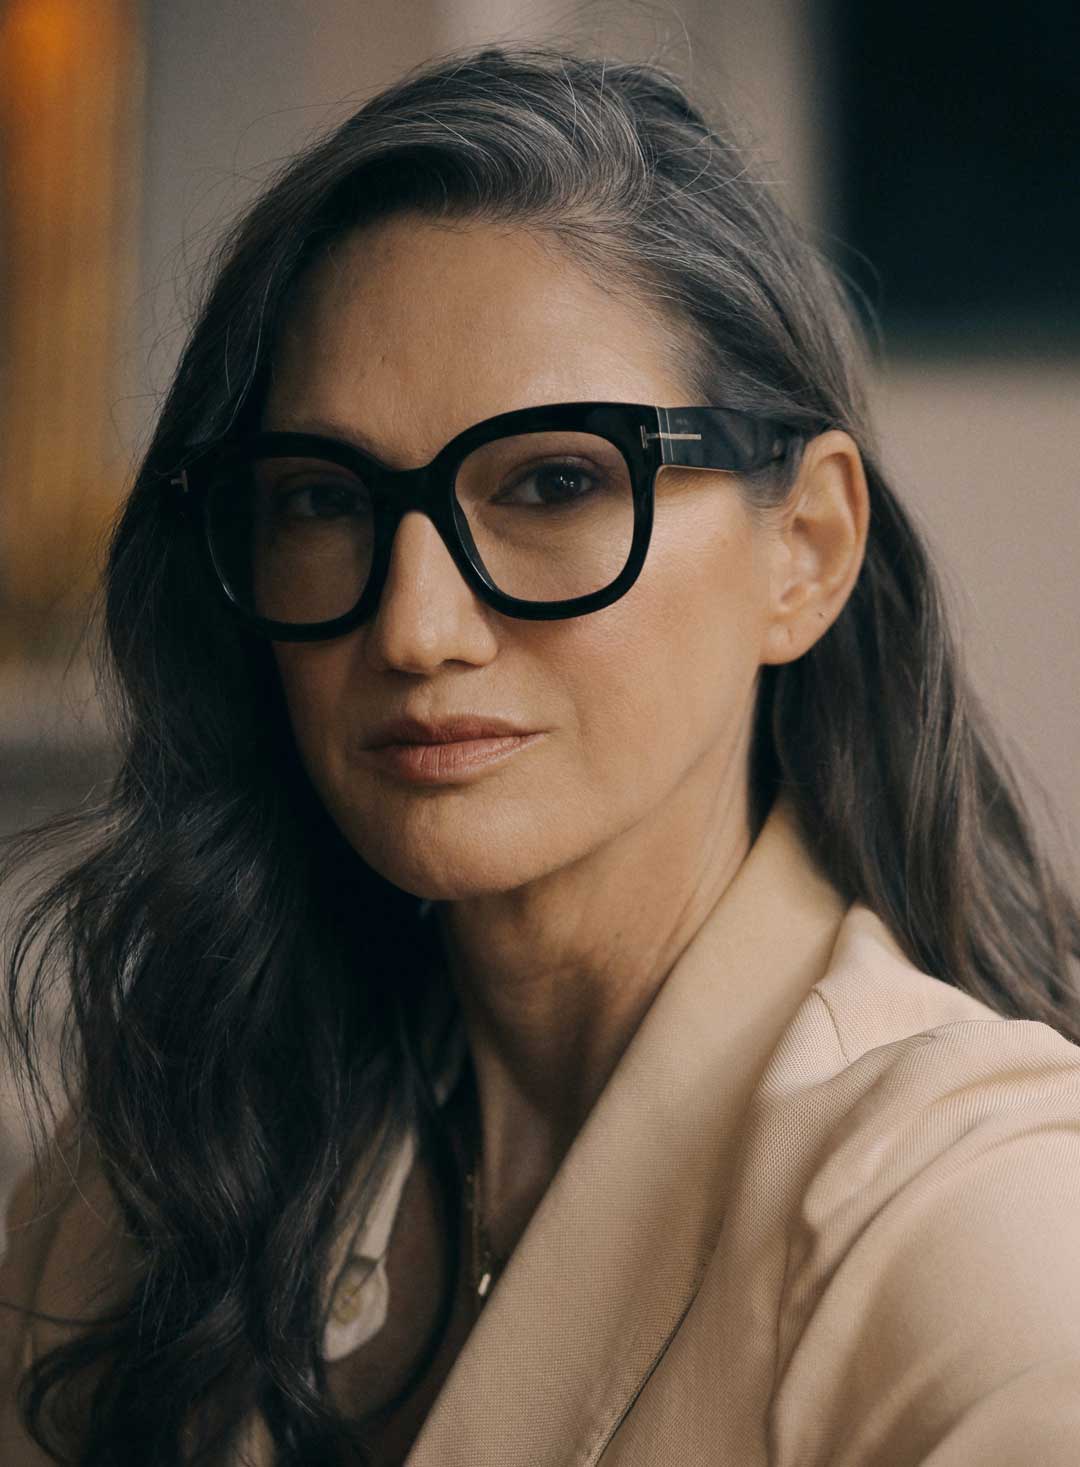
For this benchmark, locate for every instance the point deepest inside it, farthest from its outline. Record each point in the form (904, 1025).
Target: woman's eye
(551, 484)
(321, 501)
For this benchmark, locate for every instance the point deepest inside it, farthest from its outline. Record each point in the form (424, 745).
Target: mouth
(430, 763)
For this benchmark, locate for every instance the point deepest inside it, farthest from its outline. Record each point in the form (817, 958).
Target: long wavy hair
(241, 990)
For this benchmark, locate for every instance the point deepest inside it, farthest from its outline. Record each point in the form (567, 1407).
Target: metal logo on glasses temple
(646, 436)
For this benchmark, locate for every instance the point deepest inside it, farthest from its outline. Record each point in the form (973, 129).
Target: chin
(458, 844)
(454, 869)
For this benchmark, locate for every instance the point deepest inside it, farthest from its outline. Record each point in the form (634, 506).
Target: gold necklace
(486, 1263)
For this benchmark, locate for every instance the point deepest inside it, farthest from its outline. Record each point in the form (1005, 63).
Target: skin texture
(573, 875)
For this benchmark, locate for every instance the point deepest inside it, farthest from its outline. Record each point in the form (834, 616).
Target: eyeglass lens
(551, 516)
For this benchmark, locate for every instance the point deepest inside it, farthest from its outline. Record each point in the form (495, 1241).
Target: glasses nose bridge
(424, 490)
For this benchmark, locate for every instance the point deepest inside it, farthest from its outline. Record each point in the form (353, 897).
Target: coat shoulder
(930, 1235)
(910, 1065)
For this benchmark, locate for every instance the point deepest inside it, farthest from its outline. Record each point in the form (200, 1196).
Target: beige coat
(825, 1213)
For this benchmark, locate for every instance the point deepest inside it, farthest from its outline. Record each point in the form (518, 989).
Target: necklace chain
(486, 1263)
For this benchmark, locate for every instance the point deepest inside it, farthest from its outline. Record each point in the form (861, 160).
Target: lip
(448, 761)
(455, 728)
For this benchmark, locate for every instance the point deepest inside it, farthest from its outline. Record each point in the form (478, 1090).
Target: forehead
(409, 331)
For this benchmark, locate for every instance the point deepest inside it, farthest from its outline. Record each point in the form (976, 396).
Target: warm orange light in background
(70, 103)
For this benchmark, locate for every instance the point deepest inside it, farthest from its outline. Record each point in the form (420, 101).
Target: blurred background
(932, 149)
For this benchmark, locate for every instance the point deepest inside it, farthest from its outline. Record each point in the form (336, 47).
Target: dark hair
(244, 989)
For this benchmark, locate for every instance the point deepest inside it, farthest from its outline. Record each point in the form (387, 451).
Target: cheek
(313, 679)
(667, 672)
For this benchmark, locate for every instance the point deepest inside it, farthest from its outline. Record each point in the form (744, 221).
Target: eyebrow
(327, 428)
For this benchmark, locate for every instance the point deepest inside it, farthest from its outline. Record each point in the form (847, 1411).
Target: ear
(817, 540)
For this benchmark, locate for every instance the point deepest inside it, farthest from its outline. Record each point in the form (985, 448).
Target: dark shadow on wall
(953, 143)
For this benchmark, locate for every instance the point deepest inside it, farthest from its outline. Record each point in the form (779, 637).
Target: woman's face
(408, 333)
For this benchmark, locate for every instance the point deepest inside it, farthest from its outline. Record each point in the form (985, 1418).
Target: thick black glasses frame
(648, 438)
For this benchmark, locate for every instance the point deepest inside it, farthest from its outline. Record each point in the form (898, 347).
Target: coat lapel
(614, 1253)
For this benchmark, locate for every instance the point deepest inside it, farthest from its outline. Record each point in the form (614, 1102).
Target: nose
(427, 614)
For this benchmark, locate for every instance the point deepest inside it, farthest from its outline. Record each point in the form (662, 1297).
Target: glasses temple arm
(717, 438)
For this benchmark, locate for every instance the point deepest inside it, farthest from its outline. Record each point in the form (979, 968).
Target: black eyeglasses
(547, 511)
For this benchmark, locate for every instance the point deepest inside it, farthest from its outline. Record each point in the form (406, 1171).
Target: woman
(564, 973)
